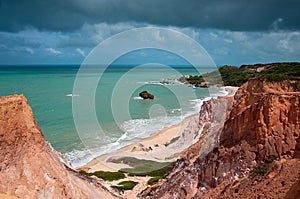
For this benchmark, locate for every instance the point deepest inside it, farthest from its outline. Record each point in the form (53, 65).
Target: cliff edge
(29, 167)
(256, 156)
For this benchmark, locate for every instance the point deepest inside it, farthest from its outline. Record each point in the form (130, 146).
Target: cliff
(182, 181)
(29, 167)
(262, 125)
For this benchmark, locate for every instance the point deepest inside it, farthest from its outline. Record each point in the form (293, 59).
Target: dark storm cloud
(69, 15)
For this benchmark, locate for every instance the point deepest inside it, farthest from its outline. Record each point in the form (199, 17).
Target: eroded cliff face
(267, 116)
(263, 122)
(29, 167)
(183, 181)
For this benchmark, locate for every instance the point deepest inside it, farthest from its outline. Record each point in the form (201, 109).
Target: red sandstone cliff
(264, 122)
(29, 167)
(183, 181)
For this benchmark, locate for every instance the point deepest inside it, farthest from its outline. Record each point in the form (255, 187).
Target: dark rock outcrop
(29, 167)
(264, 122)
(146, 95)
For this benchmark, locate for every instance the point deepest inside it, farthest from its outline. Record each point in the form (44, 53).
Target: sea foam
(137, 129)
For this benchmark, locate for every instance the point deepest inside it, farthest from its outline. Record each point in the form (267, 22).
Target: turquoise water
(122, 115)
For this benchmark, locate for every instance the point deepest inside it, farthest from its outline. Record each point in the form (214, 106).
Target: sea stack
(146, 95)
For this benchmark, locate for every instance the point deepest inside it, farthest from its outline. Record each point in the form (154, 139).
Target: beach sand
(150, 148)
(231, 90)
(155, 147)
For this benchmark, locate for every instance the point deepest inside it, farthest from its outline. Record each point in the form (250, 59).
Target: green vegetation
(193, 79)
(270, 159)
(125, 185)
(153, 173)
(263, 168)
(234, 76)
(143, 167)
(140, 167)
(172, 141)
(105, 175)
(154, 180)
(85, 173)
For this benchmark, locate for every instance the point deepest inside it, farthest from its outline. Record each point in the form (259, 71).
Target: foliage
(142, 171)
(157, 170)
(263, 168)
(194, 79)
(125, 185)
(105, 175)
(154, 180)
(143, 167)
(85, 173)
(270, 159)
(234, 76)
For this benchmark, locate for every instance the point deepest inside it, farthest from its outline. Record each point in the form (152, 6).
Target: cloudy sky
(231, 31)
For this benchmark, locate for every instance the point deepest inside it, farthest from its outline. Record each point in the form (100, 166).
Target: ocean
(123, 116)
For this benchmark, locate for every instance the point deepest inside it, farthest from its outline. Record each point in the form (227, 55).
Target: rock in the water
(146, 95)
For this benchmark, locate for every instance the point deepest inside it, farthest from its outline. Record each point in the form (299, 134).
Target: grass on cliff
(125, 185)
(236, 76)
(105, 175)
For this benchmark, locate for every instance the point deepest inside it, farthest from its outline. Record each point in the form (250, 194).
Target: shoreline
(150, 148)
(231, 90)
(159, 146)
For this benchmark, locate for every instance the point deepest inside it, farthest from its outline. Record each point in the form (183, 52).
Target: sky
(233, 32)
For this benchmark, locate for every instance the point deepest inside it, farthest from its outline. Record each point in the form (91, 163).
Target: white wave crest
(72, 95)
(138, 98)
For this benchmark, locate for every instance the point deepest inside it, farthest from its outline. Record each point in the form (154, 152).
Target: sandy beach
(150, 148)
(163, 146)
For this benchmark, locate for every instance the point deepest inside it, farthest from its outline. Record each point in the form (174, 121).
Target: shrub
(105, 175)
(270, 159)
(140, 171)
(85, 173)
(263, 168)
(109, 176)
(154, 180)
(125, 185)
(233, 76)
(143, 167)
